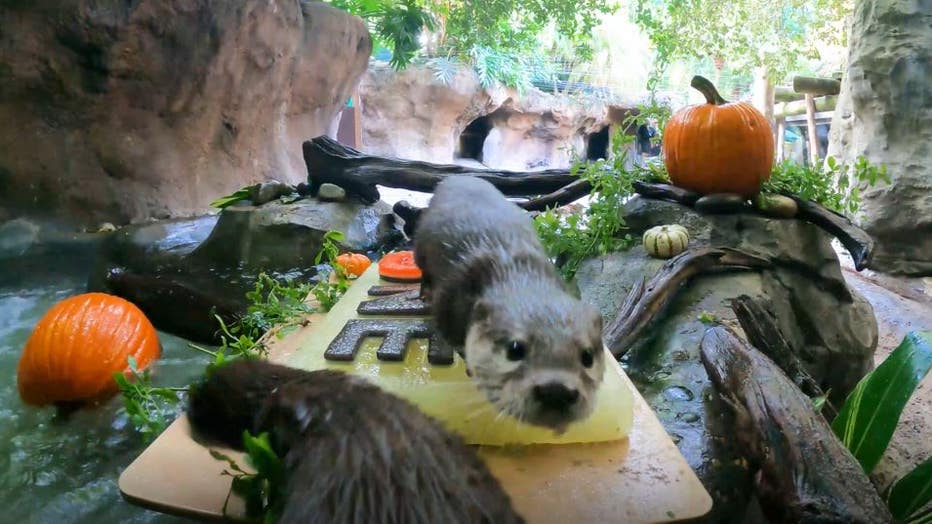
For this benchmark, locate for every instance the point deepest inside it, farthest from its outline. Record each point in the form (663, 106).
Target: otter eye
(587, 358)
(515, 351)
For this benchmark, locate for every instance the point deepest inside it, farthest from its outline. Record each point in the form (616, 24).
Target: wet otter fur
(532, 348)
(352, 452)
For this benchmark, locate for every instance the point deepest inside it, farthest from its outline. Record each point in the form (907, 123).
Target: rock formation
(884, 112)
(413, 115)
(123, 111)
(831, 327)
(182, 272)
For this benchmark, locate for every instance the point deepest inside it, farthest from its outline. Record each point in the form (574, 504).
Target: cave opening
(597, 144)
(473, 138)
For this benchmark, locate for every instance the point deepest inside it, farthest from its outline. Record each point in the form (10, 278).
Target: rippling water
(65, 471)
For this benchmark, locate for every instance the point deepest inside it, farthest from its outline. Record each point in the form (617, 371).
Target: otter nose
(555, 395)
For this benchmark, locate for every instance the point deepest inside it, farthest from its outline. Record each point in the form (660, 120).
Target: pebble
(331, 192)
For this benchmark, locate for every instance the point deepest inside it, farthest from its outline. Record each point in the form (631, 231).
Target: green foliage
(328, 290)
(394, 25)
(908, 495)
(574, 238)
(745, 34)
(148, 407)
(835, 186)
(262, 490)
(708, 318)
(869, 416)
(229, 200)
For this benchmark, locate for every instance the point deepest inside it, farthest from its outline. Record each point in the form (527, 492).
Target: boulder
(412, 114)
(884, 113)
(183, 272)
(831, 327)
(117, 111)
(285, 236)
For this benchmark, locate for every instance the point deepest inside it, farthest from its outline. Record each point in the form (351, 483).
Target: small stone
(331, 192)
(775, 205)
(304, 189)
(106, 227)
(721, 203)
(269, 191)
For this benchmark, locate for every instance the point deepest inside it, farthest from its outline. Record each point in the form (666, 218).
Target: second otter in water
(532, 348)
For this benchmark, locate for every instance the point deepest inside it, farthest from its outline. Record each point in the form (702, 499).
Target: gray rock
(269, 191)
(17, 236)
(121, 111)
(284, 237)
(884, 112)
(832, 327)
(331, 192)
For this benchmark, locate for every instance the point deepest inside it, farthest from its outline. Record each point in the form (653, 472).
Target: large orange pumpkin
(718, 147)
(78, 344)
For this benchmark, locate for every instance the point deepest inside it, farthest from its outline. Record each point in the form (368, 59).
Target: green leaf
(222, 202)
(870, 414)
(912, 492)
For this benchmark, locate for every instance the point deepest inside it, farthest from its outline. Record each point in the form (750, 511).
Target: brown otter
(532, 348)
(352, 452)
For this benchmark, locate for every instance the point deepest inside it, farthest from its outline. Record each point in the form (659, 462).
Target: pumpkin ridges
(78, 344)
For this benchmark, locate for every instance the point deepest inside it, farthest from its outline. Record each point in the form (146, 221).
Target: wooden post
(811, 128)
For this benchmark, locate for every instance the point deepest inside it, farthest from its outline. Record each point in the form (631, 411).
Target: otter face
(541, 363)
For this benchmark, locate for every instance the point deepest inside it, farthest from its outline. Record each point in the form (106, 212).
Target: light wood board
(642, 478)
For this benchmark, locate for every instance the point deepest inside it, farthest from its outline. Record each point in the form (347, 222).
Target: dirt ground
(900, 305)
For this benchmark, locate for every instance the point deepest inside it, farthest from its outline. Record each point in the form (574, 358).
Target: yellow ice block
(446, 393)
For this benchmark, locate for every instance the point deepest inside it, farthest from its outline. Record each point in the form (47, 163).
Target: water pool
(57, 471)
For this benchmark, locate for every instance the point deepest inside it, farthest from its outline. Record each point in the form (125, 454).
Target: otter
(531, 347)
(352, 452)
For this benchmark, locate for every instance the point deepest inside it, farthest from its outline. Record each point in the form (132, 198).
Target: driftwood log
(329, 161)
(805, 473)
(666, 192)
(646, 301)
(760, 326)
(858, 243)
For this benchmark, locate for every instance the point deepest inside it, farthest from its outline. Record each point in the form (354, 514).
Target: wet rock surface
(183, 272)
(831, 327)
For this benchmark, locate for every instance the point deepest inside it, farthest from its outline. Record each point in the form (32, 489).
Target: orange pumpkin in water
(718, 147)
(78, 344)
(353, 263)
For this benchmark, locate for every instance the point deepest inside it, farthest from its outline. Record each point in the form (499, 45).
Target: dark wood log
(358, 173)
(760, 326)
(858, 243)
(561, 197)
(805, 473)
(666, 192)
(816, 86)
(645, 302)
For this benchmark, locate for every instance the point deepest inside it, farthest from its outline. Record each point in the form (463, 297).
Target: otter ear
(480, 311)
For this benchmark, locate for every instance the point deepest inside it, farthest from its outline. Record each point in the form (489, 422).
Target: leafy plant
(262, 490)
(333, 280)
(871, 413)
(146, 406)
(573, 238)
(238, 196)
(708, 318)
(819, 184)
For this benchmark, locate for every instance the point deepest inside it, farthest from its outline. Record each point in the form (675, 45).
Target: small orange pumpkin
(78, 344)
(718, 147)
(353, 263)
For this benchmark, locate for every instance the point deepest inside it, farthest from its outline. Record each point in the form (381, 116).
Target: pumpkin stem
(704, 86)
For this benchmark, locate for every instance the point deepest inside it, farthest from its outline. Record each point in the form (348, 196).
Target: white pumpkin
(665, 241)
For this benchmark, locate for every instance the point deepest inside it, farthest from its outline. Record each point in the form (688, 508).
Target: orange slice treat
(399, 266)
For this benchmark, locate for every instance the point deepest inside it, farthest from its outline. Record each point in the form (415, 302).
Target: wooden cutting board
(642, 478)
